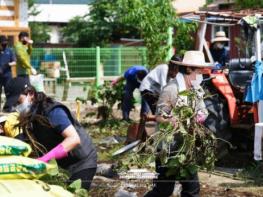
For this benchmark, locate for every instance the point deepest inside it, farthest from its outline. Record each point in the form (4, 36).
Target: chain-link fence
(83, 62)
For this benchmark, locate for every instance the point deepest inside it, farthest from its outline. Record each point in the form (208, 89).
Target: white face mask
(197, 81)
(24, 107)
(219, 45)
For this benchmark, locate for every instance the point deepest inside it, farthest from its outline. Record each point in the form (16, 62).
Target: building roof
(235, 14)
(59, 13)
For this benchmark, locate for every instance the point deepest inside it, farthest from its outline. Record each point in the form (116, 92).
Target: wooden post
(201, 34)
(16, 12)
(258, 57)
(208, 53)
(259, 125)
(98, 67)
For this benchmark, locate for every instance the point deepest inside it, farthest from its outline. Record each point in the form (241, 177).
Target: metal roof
(226, 18)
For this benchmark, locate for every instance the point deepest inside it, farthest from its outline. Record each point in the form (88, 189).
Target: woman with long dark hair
(54, 132)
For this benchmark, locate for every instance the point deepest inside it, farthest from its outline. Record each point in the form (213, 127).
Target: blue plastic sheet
(255, 89)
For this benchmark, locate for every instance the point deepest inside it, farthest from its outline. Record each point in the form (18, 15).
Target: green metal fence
(82, 61)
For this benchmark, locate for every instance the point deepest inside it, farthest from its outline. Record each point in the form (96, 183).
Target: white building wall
(22, 11)
(55, 35)
(183, 6)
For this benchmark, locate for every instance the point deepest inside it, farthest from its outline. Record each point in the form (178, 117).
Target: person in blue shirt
(218, 51)
(133, 76)
(7, 60)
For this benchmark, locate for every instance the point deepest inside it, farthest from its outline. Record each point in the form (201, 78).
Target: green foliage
(184, 38)
(76, 31)
(39, 31)
(111, 20)
(106, 96)
(209, 1)
(60, 177)
(100, 27)
(253, 173)
(152, 18)
(249, 3)
(75, 188)
(194, 147)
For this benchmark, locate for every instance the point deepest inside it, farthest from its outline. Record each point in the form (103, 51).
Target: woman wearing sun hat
(188, 76)
(219, 52)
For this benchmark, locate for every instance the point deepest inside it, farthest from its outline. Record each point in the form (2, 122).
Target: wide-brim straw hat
(194, 59)
(220, 37)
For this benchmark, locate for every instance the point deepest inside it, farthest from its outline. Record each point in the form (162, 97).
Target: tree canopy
(101, 26)
(249, 3)
(39, 31)
(110, 20)
(152, 18)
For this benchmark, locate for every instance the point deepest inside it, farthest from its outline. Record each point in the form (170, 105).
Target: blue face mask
(24, 107)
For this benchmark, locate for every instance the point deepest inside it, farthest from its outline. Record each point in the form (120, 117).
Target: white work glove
(33, 71)
(29, 41)
(12, 64)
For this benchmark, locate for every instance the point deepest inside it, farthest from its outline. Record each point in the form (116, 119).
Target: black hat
(14, 88)
(3, 39)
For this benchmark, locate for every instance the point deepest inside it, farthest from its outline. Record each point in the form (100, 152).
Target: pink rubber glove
(114, 82)
(56, 153)
(200, 117)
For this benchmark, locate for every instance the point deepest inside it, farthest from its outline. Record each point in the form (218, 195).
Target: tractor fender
(222, 84)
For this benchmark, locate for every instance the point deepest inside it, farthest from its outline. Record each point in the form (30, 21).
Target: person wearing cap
(23, 51)
(188, 76)
(7, 60)
(218, 51)
(57, 133)
(152, 85)
(133, 77)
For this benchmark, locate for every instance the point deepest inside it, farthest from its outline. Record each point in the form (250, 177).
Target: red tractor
(228, 111)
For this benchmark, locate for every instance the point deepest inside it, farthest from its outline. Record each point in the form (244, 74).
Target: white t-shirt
(155, 80)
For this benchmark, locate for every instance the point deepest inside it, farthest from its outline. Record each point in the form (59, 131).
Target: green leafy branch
(183, 148)
(106, 96)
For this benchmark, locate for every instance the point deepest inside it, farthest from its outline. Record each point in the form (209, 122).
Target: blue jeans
(127, 101)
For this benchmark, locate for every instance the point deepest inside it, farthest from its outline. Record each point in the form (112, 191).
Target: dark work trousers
(127, 101)
(26, 77)
(164, 185)
(3, 81)
(86, 177)
(151, 99)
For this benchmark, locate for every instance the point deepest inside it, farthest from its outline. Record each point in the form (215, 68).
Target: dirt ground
(212, 185)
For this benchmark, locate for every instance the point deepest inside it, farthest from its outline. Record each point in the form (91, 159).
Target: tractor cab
(228, 86)
(232, 80)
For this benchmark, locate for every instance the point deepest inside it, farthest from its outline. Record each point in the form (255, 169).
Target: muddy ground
(225, 181)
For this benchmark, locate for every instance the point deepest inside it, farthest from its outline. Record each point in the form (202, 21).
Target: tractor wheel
(218, 122)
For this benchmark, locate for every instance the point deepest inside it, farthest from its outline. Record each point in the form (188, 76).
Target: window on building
(216, 28)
